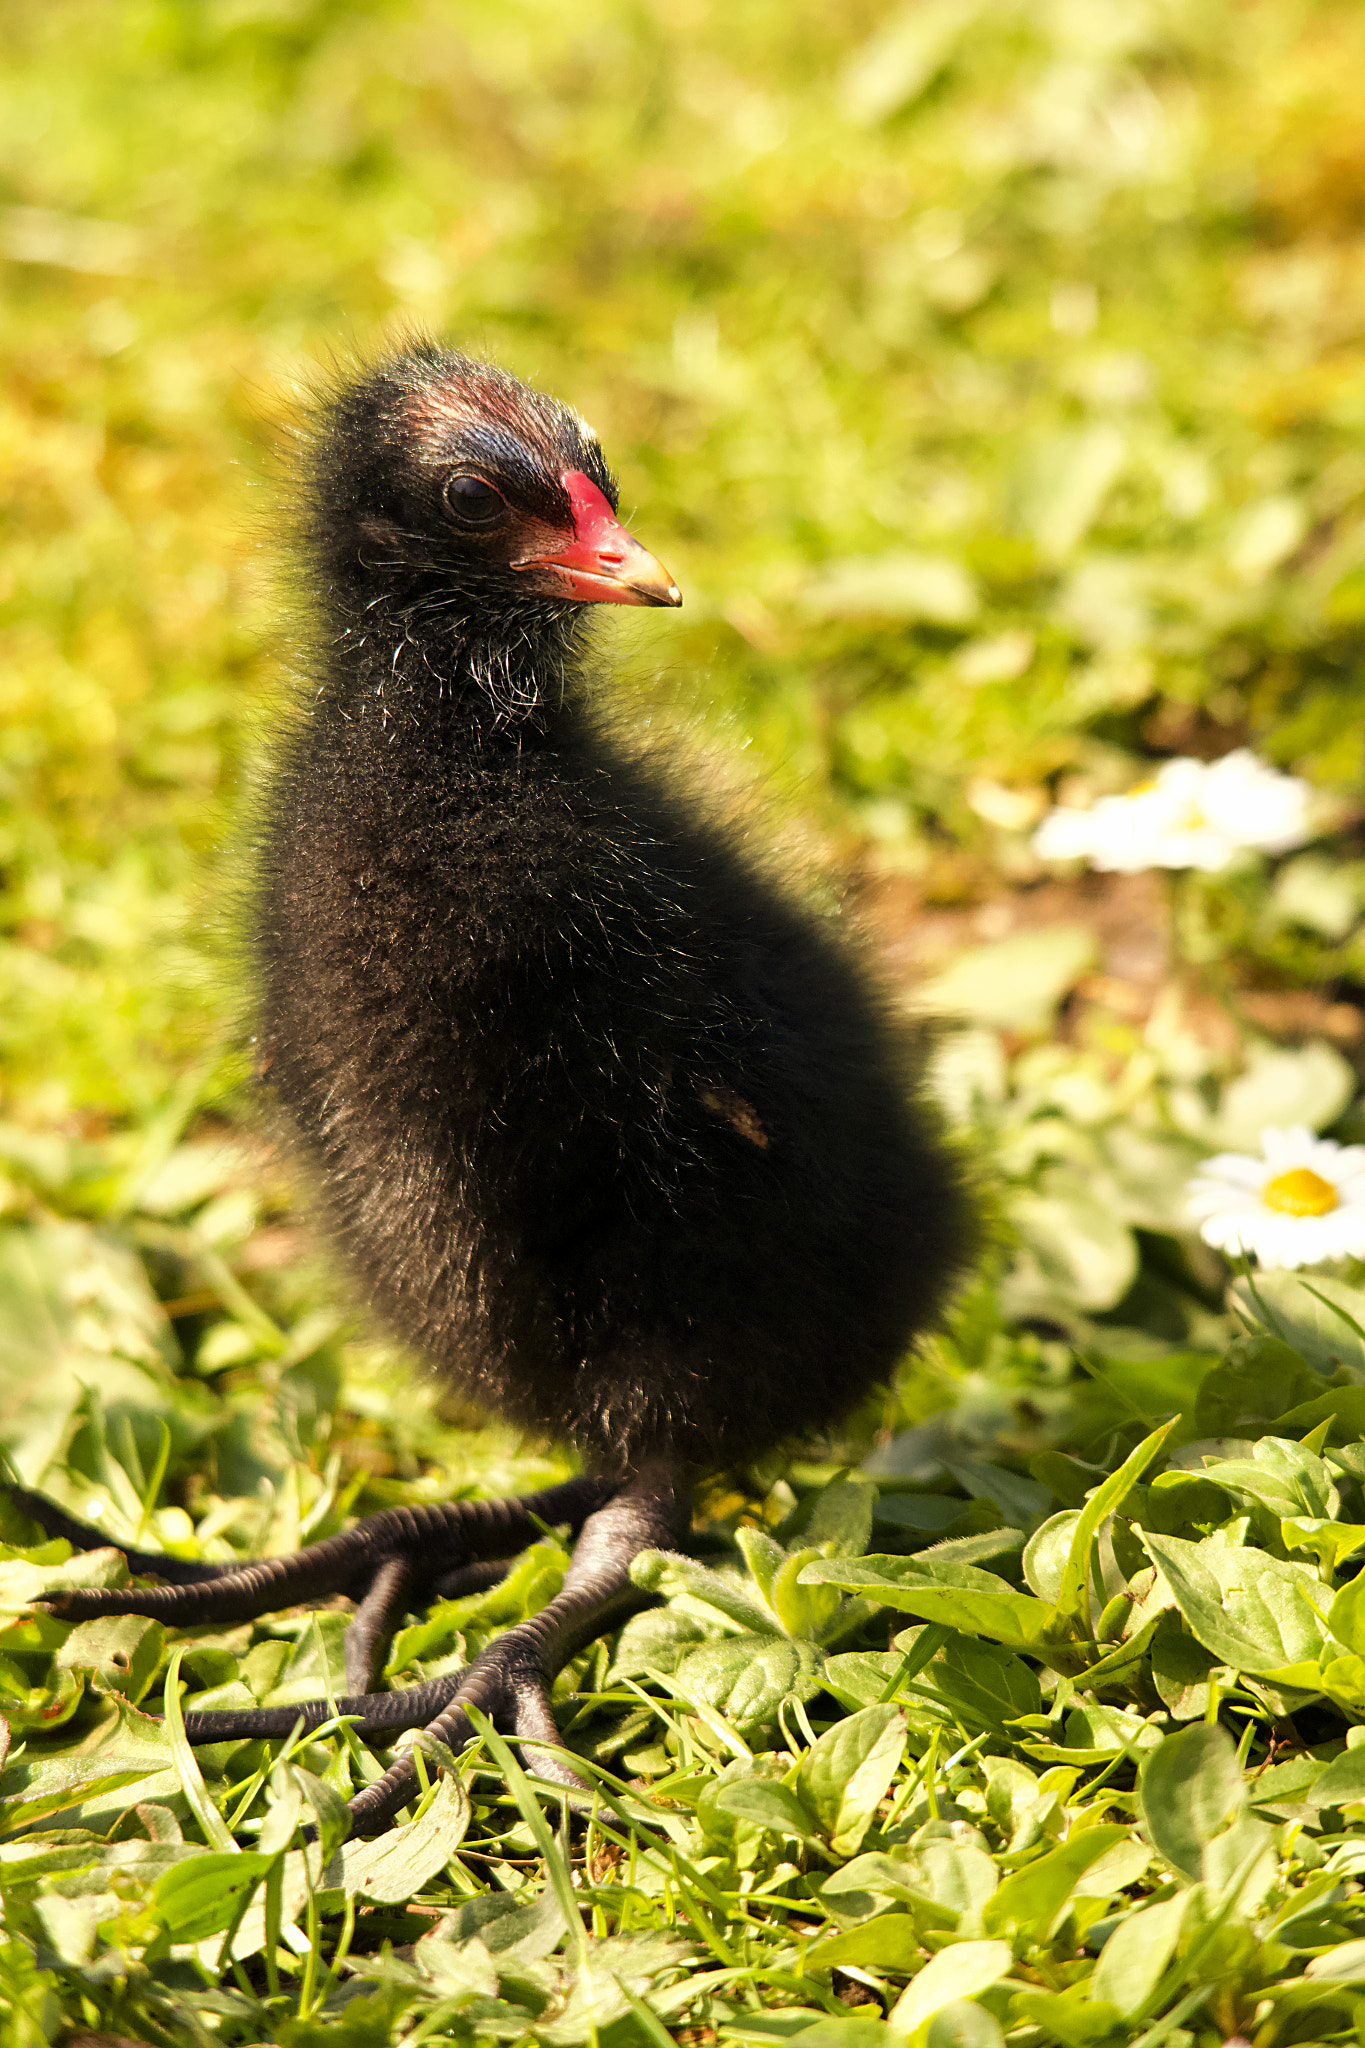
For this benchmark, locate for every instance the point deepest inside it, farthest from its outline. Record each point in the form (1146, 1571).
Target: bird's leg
(388, 1563)
(510, 1680)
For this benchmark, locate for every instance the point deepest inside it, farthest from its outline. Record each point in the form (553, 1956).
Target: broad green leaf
(844, 1777)
(394, 1866)
(769, 1804)
(1076, 1253)
(954, 1876)
(762, 1555)
(1259, 1379)
(1069, 2016)
(1031, 1900)
(963, 2024)
(204, 1896)
(1283, 1475)
(1331, 1543)
(1309, 1084)
(23, 1582)
(867, 1882)
(1342, 1965)
(120, 1652)
(961, 1597)
(1180, 1670)
(1341, 1678)
(829, 2032)
(1241, 1864)
(927, 1514)
(887, 1943)
(963, 1970)
(1135, 1957)
(802, 1609)
(1021, 1501)
(656, 1640)
(746, 1678)
(840, 1523)
(1250, 1610)
(1011, 1796)
(1016, 982)
(1190, 1790)
(986, 1686)
(675, 1577)
(1342, 1783)
(1346, 1615)
(861, 1678)
(1046, 1552)
(1321, 1318)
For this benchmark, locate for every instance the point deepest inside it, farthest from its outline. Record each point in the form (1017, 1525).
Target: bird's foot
(510, 1681)
(389, 1561)
(388, 1564)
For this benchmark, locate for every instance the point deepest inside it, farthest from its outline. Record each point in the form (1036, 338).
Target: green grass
(991, 378)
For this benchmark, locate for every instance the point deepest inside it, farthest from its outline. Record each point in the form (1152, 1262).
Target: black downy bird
(610, 1127)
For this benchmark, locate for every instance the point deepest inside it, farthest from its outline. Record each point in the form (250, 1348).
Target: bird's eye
(472, 502)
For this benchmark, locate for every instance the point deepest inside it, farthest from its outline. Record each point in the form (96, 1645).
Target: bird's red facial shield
(602, 564)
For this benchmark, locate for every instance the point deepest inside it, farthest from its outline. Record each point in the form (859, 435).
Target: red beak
(602, 564)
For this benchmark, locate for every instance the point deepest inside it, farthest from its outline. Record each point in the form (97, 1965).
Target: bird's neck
(455, 674)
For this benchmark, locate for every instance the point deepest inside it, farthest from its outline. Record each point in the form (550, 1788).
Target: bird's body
(612, 1130)
(611, 1126)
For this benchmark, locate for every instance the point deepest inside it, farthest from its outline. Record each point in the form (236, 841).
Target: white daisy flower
(1302, 1201)
(1192, 814)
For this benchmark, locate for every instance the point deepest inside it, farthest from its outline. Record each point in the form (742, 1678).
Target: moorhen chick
(610, 1126)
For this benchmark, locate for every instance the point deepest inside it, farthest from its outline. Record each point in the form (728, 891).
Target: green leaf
(962, 2024)
(1250, 1610)
(1076, 1253)
(120, 1652)
(1342, 1783)
(803, 1610)
(986, 1686)
(204, 1896)
(768, 1804)
(394, 1867)
(1032, 1900)
(954, 1876)
(845, 1776)
(674, 1577)
(1321, 1318)
(927, 1514)
(840, 1523)
(963, 1970)
(1046, 1552)
(656, 1640)
(959, 1596)
(1072, 1599)
(1331, 1543)
(1257, 1381)
(861, 1678)
(1190, 1790)
(1283, 1475)
(762, 1555)
(889, 1942)
(1135, 1957)
(1309, 1084)
(746, 1678)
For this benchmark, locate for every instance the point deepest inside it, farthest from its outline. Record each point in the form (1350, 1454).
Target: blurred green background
(991, 376)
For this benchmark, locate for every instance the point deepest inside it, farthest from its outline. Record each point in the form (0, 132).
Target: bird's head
(444, 483)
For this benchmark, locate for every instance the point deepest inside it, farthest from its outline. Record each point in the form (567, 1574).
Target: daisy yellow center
(1300, 1192)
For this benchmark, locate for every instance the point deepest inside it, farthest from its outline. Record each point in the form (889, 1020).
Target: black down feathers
(613, 1129)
